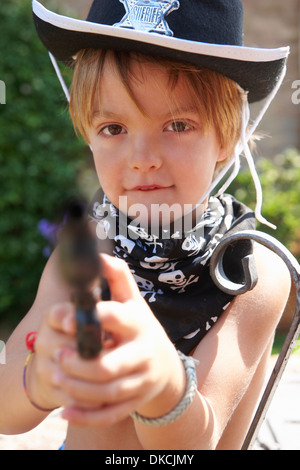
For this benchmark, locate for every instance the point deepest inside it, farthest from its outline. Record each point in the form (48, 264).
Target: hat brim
(255, 70)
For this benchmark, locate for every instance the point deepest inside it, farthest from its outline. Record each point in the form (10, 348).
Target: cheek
(198, 164)
(109, 179)
(103, 169)
(197, 170)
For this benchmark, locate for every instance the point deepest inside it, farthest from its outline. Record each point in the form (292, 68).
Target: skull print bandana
(172, 272)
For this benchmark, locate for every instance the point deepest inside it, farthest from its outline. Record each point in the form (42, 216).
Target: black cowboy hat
(207, 33)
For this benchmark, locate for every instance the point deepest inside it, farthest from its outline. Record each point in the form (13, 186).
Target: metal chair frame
(220, 278)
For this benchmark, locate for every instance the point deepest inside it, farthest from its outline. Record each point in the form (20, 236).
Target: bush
(280, 180)
(39, 155)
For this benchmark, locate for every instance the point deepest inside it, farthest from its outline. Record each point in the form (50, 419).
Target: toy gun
(81, 268)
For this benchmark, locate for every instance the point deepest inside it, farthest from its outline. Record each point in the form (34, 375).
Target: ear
(223, 154)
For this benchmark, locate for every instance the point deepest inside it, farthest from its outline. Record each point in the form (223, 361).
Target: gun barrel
(81, 268)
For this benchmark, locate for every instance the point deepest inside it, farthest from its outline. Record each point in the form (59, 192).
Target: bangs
(216, 97)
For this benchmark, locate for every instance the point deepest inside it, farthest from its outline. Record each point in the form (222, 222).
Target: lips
(152, 187)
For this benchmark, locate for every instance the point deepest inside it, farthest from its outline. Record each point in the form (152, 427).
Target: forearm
(17, 414)
(195, 429)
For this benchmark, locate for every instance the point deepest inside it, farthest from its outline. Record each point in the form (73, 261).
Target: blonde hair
(217, 97)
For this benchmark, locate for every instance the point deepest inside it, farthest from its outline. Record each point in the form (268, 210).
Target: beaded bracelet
(30, 340)
(191, 387)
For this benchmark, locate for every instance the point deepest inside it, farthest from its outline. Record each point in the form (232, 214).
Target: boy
(162, 115)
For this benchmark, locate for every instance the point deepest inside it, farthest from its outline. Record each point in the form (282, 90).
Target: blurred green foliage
(40, 157)
(280, 180)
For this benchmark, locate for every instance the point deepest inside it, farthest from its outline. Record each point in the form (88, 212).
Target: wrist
(176, 397)
(31, 387)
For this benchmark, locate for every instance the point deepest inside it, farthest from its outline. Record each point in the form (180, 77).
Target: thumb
(121, 282)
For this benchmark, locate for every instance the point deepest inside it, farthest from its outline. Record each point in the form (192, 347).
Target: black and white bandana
(172, 272)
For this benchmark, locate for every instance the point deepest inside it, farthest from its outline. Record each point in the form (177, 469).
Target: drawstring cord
(251, 165)
(243, 146)
(59, 76)
(245, 136)
(61, 81)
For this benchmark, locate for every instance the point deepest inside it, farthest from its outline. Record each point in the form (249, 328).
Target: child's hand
(57, 330)
(130, 372)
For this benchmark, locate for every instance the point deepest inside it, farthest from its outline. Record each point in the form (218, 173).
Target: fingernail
(57, 354)
(66, 353)
(63, 353)
(67, 324)
(57, 377)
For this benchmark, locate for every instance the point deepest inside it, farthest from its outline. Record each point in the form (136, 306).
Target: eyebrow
(182, 110)
(101, 114)
(104, 114)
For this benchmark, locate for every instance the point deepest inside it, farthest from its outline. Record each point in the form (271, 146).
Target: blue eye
(112, 130)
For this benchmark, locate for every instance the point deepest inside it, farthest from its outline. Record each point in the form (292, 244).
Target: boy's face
(160, 156)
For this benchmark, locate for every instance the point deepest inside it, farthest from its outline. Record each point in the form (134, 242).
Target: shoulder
(273, 274)
(244, 331)
(262, 307)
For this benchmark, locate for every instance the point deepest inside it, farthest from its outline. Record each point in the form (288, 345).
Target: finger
(117, 328)
(105, 416)
(49, 343)
(121, 282)
(120, 319)
(92, 395)
(61, 317)
(50, 392)
(109, 366)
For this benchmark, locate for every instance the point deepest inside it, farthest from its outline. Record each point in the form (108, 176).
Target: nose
(145, 154)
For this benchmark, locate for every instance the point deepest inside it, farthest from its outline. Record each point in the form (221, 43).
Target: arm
(142, 372)
(225, 372)
(17, 415)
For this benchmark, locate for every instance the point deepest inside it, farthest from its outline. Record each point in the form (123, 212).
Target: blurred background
(43, 163)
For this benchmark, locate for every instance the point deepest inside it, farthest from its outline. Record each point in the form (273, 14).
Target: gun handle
(88, 333)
